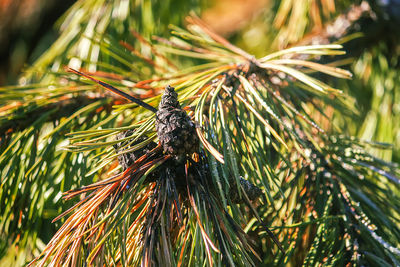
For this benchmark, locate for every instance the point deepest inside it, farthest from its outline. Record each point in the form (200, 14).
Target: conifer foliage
(190, 151)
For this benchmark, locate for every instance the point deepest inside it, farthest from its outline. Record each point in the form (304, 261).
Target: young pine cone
(127, 159)
(175, 130)
(252, 191)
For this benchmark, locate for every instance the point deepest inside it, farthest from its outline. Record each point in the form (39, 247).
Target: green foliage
(87, 23)
(381, 76)
(326, 200)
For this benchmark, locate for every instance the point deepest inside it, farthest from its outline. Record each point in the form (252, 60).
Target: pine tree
(129, 143)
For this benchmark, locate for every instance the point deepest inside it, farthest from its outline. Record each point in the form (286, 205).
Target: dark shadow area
(26, 31)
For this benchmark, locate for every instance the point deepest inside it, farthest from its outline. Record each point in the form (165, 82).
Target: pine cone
(252, 191)
(127, 159)
(175, 130)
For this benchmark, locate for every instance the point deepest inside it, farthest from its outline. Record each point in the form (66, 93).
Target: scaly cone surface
(175, 130)
(127, 159)
(252, 191)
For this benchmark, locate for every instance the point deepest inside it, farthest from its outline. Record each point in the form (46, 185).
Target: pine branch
(175, 201)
